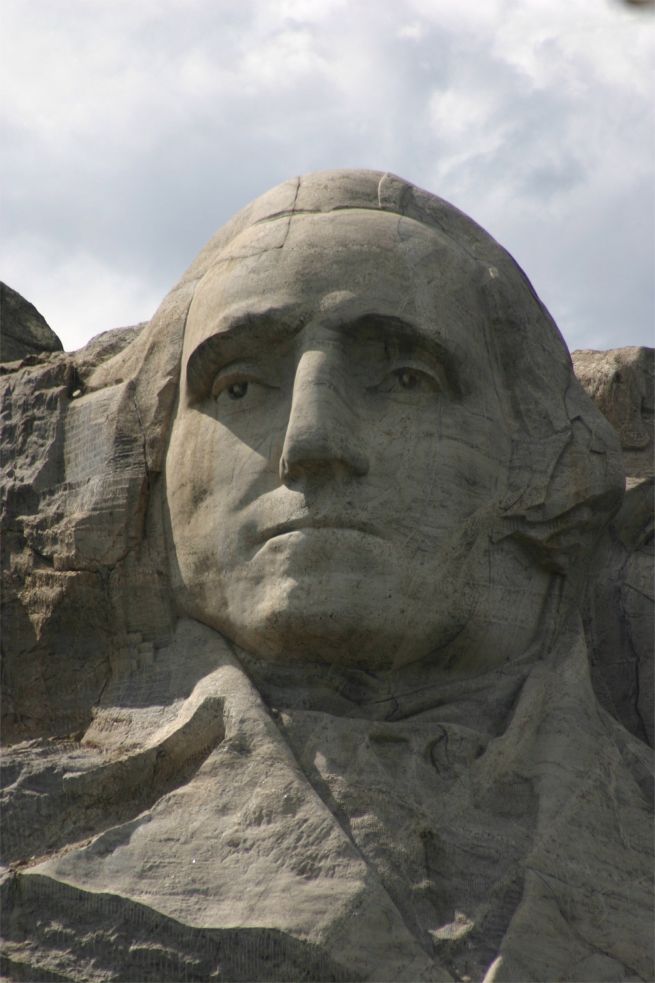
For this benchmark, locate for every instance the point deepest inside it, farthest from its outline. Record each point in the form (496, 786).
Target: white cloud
(468, 17)
(78, 295)
(411, 32)
(306, 11)
(132, 130)
(282, 60)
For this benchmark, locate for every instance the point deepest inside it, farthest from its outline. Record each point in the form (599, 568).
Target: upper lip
(318, 522)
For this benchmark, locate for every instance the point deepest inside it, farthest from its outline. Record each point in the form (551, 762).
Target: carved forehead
(392, 260)
(364, 228)
(309, 238)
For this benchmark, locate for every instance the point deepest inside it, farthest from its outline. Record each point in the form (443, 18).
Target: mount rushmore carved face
(338, 440)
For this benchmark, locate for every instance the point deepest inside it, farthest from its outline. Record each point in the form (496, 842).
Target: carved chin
(378, 614)
(370, 624)
(321, 635)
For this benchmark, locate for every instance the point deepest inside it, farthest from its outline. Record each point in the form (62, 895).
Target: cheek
(442, 466)
(211, 471)
(189, 464)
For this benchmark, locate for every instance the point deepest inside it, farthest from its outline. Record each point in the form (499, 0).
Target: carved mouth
(312, 522)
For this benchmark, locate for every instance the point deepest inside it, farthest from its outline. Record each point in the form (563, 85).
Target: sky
(132, 129)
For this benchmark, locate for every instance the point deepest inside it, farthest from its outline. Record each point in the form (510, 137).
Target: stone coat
(494, 838)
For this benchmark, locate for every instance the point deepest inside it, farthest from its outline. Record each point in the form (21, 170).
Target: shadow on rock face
(23, 331)
(619, 609)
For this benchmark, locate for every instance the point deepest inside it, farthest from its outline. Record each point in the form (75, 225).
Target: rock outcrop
(619, 610)
(23, 331)
(622, 384)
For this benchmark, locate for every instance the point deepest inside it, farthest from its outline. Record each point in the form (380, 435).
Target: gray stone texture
(23, 331)
(618, 612)
(325, 644)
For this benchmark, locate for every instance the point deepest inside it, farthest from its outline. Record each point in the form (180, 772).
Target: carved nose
(322, 432)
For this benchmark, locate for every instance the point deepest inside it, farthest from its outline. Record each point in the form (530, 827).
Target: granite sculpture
(298, 677)
(619, 602)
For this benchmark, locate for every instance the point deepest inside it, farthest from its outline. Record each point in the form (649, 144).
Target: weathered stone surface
(298, 681)
(105, 345)
(622, 384)
(619, 610)
(23, 331)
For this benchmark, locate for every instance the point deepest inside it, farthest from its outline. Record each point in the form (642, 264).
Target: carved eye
(412, 380)
(237, 390)
(408, 378)
(241, 384)
(233, 384)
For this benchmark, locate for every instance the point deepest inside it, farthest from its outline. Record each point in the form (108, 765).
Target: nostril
(318, 471)
(316, 454)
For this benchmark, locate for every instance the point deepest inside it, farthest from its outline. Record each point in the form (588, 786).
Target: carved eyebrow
(249, 332)
(404, 334)
(238, 336)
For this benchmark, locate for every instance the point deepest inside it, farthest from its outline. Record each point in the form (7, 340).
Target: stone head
(377, 435)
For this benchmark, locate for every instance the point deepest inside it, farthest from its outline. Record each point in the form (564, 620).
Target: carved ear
(562, 491)
(566, 476)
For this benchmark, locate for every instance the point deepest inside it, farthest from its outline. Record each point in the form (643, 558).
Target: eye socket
(409, 380)
(241, 383)
(233, 383)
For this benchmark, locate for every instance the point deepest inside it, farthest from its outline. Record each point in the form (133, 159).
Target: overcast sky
(132, 129)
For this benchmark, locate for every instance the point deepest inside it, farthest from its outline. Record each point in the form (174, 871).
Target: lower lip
(320, 530)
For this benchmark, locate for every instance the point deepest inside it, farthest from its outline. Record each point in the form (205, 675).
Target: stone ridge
(23, 330)
(618, 611)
